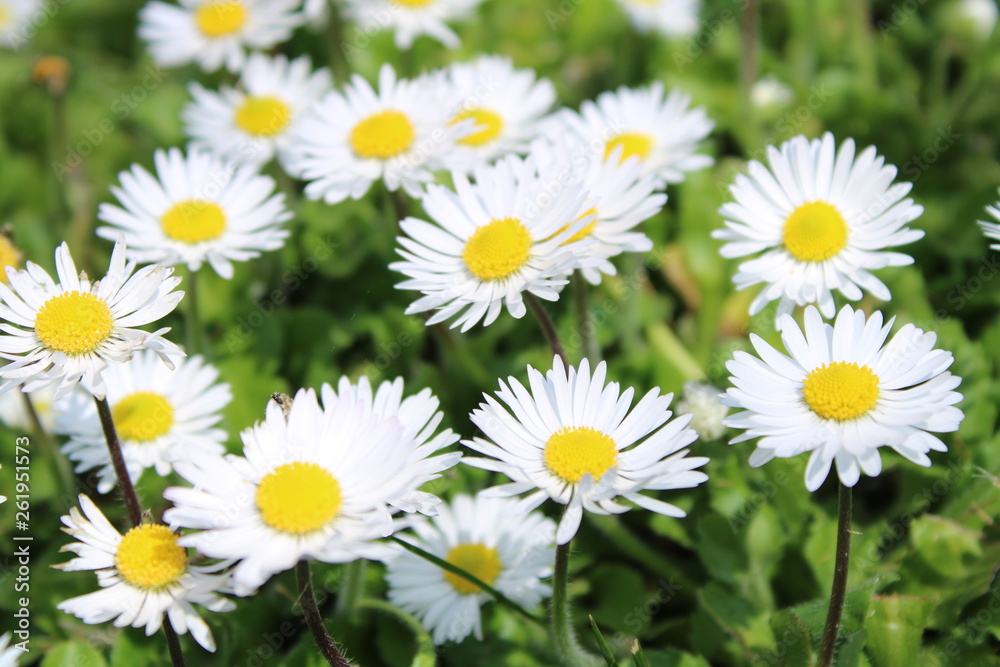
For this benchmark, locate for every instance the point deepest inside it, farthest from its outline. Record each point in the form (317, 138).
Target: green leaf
(945, 545)
(793, 642)
(895, 628)
(74, 653)
(603, 645)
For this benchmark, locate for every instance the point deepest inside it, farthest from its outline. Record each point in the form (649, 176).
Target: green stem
(585, 327)
(62, 468)
(352, 588)
(839, 591)
(468, 576)
(118, 461)
(563, 635)
(339, 62)
(426, 652)
(749, 71)
(314, 619)
(548, 326)
(173, 645)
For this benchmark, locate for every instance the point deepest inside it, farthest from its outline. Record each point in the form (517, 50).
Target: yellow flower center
(382, 135)
(74, 322)
(149, 557)
(4, 16)
(414, 3)
(9, 254)
(583, 233)
(814, 232)
(574, 451)
(219, 18)
(194, 220)
(143, 416)
(298, 497)
(841, 390)
(497, 249)
(491, 123)
(263, 116)
(632, 143)
(476, 559)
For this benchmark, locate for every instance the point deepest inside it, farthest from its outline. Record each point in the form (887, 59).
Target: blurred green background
(743, 580)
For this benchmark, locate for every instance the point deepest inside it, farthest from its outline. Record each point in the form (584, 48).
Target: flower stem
(339, 61)
(173, 645)
(548, 326)
(118, 461)
(454, 569)
(563, 634)
(839, 591)
(314, 620)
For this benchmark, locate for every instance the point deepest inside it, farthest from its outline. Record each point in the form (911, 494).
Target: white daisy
(508, 549)
(841, 395)
(68, 332)
(618, 196)
(822, 218)
(505, 104)
(353, 138)
(215, 33)
(409, 19)
(9, 655)
(992, 229)
(663, 133)
(574, 440)
(317, 485)
(18, 22)
(419, 417)
(494, 239)
(703, 402)
(143, 575)
(159, 412)
(673, 18)
(250, 124)
(197, 209)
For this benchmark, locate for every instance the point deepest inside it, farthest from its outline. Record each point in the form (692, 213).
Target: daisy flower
(663, 132)
(68, 332)
(409, 19)
(992, 229)
(822, 219)
(505, 104)
(197, 209)
(143, 575)
(673, 18)
(419, 417)
(703, 402)
(842, 394)
(251, 124)
(508, 549)
(16, 17)
(573, 439)
(494, 239)
(315, 485)
(215, 33)
(353, 138)
(159, 412)
(9, 655)
(619, 197)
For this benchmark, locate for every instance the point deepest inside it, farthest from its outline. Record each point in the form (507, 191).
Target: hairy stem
(839, 591)
(314, 619)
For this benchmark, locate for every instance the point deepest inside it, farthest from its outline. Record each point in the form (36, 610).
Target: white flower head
(703, 402)
(842, 394)
(822, 218)
(571, 437)
(673, 18)
(215, 33)
(159, 413)
(17, 20)
(659, 128)
(769, 92)
(353, 138)
(248, 125)
(197, 209)
(9, 655)
(143, 575)
(992, 229)
(491, 538)
(63, 333)
(408, 19)
(496, 237)
(316, 484)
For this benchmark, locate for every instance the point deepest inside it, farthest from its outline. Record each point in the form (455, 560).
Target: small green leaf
(74, 653)
(603, 645)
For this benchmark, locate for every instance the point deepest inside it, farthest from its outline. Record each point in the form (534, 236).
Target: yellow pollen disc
(497, 249)
(220, 17)
(149, 557)
(143, 416)
(194, 220)
(814, 232)
(632, 143)
(382, 135)
(4, 16)
(298, 497)
(413, 3)
(491, 123)
(9, 255)
(574, 451)
(263, 116)
(841, 390)
(74, 322)
(477, 559)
